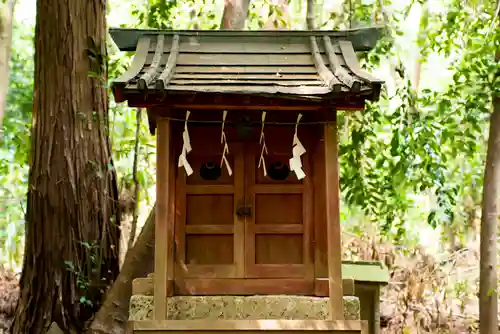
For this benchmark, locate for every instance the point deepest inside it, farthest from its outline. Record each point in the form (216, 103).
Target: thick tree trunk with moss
(72, 223)
(113, 316)
(488, 282)
(6, 18)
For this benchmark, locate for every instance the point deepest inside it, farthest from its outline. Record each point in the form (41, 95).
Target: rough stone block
(242, 307)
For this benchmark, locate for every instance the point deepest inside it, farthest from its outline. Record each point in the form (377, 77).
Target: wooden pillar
(162, 219)
(333, 221)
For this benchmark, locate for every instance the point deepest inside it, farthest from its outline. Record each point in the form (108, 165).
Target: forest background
(412, 164)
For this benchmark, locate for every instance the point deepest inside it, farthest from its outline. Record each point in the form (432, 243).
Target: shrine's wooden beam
(242, 287)
(245, 107)
(154, 99)
(298, 107)
(163, 219)
(248, 326)
(260, 108)
(333, 220)
(321, 287)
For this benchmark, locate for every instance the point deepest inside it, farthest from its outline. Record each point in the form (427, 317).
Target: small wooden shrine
(247, 172)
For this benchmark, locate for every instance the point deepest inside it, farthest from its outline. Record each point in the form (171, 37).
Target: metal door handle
(244, 211)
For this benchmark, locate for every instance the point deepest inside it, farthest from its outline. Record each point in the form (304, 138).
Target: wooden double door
(244, 225)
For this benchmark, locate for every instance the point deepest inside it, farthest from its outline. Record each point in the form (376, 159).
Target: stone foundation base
(242, 307)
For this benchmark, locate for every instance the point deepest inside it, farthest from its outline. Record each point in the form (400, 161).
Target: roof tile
(307, 66)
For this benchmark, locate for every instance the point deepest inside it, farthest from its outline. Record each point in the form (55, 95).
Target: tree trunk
(113, 315)
(488, 294)
(72, 220)
(135, 214)
(235, 14)
(310, 12)
(6, 18)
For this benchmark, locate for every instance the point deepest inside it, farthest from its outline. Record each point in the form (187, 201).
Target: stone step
(243, 307)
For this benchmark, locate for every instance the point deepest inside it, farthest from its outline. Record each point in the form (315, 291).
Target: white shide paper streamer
(262, 141)
(297, 150)
(186, 148)
(225, 150)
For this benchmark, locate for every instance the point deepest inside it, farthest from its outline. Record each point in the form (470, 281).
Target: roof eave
(371, 95)
(363, 39)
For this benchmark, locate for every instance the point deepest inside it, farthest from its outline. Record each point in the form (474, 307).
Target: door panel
(209, 235)
(244, 225)
(277, 234)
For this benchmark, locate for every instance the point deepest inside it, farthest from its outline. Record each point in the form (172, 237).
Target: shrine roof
(308, 65)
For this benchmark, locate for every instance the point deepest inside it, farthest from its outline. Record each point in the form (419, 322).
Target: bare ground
(9, 293)
(426, 293)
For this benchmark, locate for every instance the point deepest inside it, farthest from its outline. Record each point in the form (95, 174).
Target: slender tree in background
(6, 18)
(488, 282)
(72, 224)
(310, 24)
(235, 14)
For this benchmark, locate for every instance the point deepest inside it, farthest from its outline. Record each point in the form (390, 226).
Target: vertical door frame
(332, 193)
(239, 222)
(163, 222)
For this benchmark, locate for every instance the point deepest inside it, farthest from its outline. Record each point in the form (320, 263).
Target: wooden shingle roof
(309, 65)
